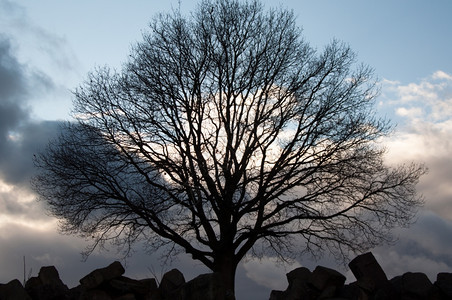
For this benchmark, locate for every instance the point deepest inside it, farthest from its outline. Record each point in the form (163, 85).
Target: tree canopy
(227, 134)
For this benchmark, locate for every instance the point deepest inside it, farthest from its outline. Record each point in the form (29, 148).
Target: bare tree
(224, 135)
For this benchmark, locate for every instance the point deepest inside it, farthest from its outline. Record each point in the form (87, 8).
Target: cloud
(423, 111)
(13, 94)
(13, 88)
(425, 247)
(441, 75)
(25, 229)
(409, 112)
(424, 134)
(432, 95)
(269, 272)
(31, 39)
(20, 136)
(44, 58)
(43, 247)
(19, 205)
(16, 162)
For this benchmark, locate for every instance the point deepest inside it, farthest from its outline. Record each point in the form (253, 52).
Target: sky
(48, 47)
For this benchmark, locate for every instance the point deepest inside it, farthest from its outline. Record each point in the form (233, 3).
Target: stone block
(300, 290)
(124, 285)
(276, 295)
(50, 276)
(154, 292)
(323, 277)
(153, 295)
(128, 296)
(352, 291)
(416, 284)
(170, 282)
(444, 283)
(99, 276)
(75, 293)
(33, 282)
(95, 295)
(297, 276)
(13, 290)
(387, 292)
(298, 285)
(206, 286)
(47, 285)
(150, 282)
(368, 272)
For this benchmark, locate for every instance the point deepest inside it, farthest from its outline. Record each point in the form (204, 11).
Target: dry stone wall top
(109, 283)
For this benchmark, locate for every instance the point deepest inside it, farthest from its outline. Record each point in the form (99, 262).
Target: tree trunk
(226, 266)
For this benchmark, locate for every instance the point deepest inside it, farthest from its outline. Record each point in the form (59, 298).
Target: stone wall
(371, 283)
(303, 284)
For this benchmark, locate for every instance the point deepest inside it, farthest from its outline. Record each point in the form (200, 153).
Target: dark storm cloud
(16, 164)
(19, 137)
(431, 235)
(424, 247)
(13, 89)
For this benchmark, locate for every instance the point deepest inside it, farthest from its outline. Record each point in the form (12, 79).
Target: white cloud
(415, 92)
(441, 75)
(424, 133)
(409, 112)
(433, 95)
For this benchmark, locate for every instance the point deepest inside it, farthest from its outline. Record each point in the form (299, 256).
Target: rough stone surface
(13, 290)
(322, 278)
(99, 276)
(371, 284)
(298, 285)
(386, 292)
(297, 276)
(129, 296)
(205, 286)
(124, 285)
(416, 285)
(368, 272)
(95, 295)
(151, 282)
(444, 283)
(50, 276)
(171, 281)
(47, 285)
(323, 283)
(75, 293)
(276, 295)
(352, 291)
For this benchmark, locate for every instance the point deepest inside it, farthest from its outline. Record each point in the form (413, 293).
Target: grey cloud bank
(424, 247)
(19, 135)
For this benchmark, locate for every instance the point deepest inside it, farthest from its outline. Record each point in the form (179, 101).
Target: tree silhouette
(226, 134)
